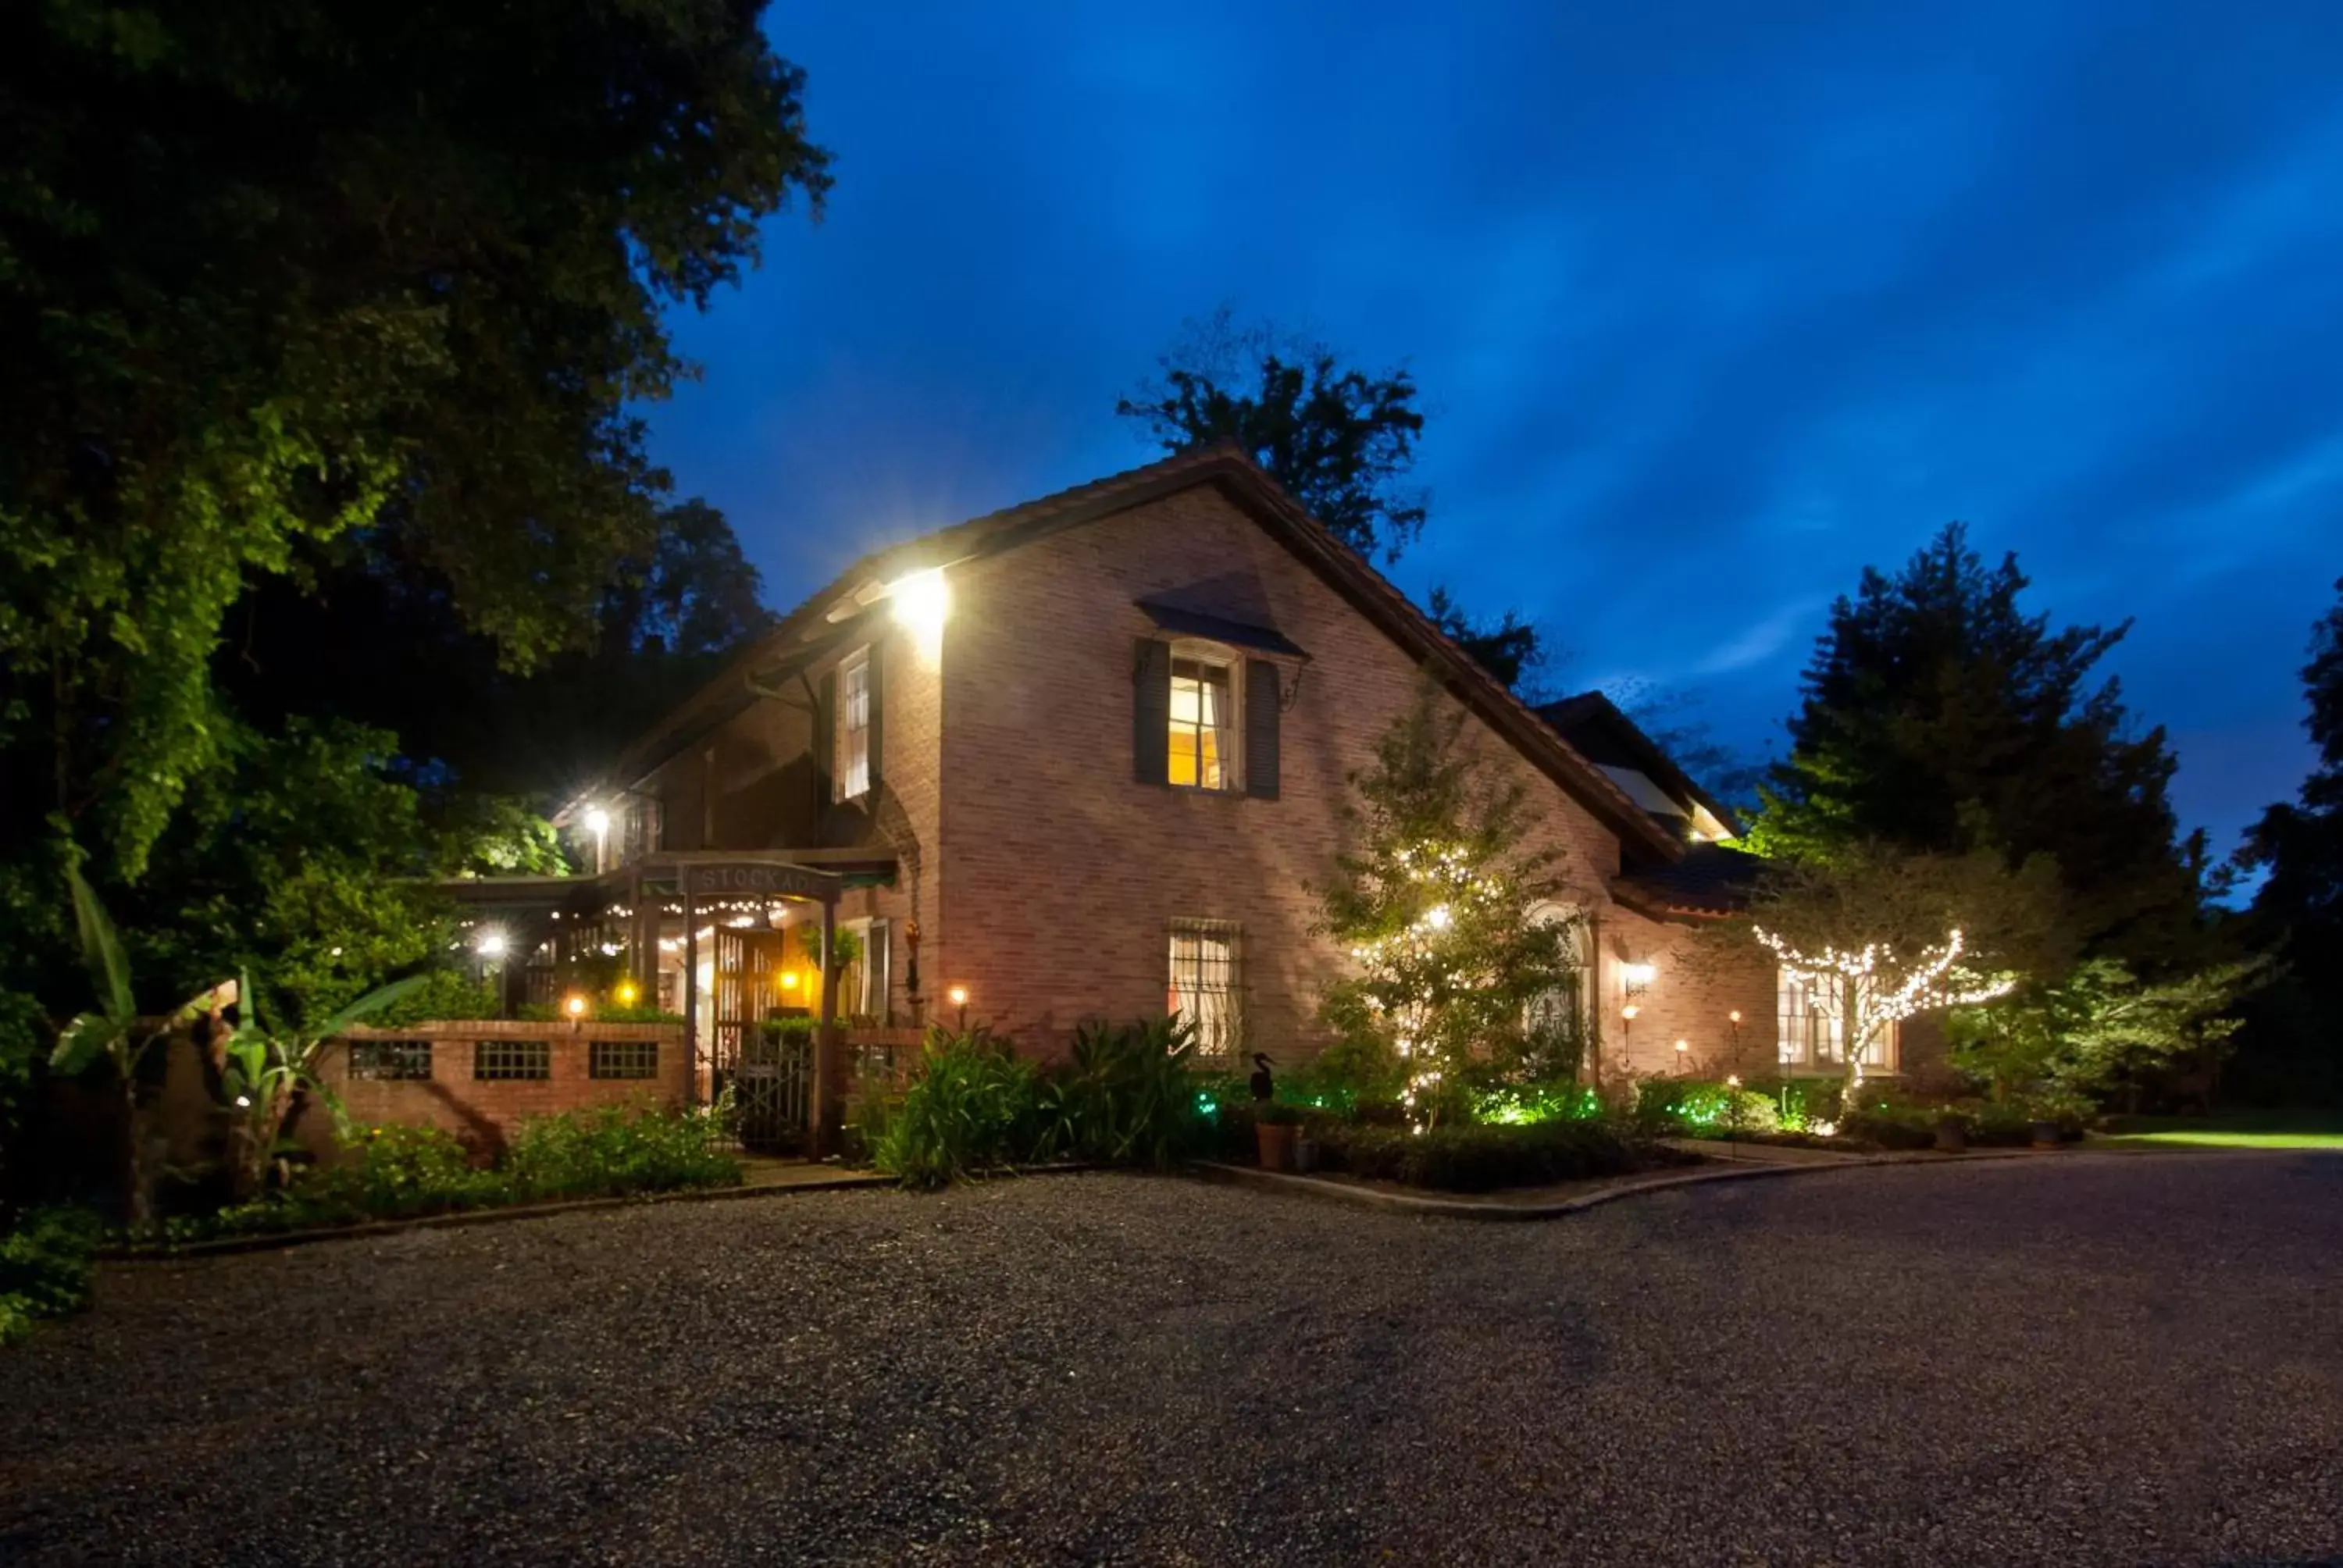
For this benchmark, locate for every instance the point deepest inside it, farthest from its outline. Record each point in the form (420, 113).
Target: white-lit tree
(1437, 902)
(1877, 936)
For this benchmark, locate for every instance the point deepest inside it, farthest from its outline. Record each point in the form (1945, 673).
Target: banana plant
(116, 1034)
(265, 1067)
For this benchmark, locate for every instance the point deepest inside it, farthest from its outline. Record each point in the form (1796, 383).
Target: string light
(1861, 983)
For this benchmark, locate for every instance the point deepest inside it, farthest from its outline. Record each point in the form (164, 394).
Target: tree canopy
(1341, 440)
(272, 273)
(1940, 717)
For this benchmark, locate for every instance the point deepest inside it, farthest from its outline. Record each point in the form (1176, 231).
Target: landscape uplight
(958, 997)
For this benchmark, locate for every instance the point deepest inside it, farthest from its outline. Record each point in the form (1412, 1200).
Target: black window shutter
(1150, 712)
(876, 684)
(1261, 713)
(825, 741)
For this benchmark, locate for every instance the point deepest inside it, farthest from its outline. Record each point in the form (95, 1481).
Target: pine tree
(1940, 717)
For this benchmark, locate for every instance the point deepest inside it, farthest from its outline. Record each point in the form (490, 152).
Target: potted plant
(1952, 1131)
(2050, 1110)
(1276, 1126)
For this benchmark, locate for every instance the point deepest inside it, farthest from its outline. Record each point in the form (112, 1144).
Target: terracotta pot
(1276, 1144)
(1951, 1136)
(2046, 1135)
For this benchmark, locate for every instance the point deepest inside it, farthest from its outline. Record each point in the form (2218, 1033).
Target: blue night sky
(1711, 304)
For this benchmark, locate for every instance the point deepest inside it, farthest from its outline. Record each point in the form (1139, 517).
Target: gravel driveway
(2080, 1358)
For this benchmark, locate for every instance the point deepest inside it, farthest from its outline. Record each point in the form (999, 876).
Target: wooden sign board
(738, 879)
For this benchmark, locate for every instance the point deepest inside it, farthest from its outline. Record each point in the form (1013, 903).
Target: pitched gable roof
(1600, 732)
(814, 624)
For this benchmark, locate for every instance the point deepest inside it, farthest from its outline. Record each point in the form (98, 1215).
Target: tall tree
(2290, 1048)
(1341, 440)
(369, 634)
(272, 272)
(1509, 648)
(1940, 717)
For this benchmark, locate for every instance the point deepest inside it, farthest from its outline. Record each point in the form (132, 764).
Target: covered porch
(743, 949)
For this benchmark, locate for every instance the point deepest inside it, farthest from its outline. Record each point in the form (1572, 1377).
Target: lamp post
(958, 997)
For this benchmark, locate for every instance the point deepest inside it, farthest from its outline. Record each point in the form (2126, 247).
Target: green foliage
(2291, 1049)
(1691, 1107)
(1438, 903)
(397, 1172)
(973, 1107)
(442, 994)
(44, 1267)
(1465, 1159)
(1123, 1096)
(1340, 440)
(266, 1062)
(1940, 720)
(1523, 1105)
(275, 275)
(1510, 648)
(2099, 1026)
(616, 1149)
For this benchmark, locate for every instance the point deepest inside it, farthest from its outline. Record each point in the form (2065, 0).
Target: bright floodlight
(921, 601)
(491, 944)
(597, 821)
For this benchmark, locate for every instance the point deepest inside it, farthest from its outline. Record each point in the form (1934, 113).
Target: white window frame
(851, 777)
(1205, 984)
(1228, 728)
(1810, 1032)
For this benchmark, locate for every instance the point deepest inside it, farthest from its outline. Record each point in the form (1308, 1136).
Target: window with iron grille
(389, 1060)
(622, 1058)
(1205, 988)
(512, 1059)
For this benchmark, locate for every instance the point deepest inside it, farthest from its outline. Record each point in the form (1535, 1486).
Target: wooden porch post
(691, 995)
(826, 1088)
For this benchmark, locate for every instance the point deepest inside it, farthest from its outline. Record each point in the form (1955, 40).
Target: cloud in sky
(1713, 304)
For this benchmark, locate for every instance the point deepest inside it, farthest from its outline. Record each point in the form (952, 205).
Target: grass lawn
(2249, 1130)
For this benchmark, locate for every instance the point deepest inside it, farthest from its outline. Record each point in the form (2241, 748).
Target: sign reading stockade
(722, 879)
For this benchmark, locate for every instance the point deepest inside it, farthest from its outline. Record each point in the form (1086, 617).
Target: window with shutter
(1263, 709)
(1150, 711)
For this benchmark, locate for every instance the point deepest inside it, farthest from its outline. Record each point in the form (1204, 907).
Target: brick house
(1087, 757)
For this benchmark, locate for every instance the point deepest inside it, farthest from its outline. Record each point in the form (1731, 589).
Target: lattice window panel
(622, 1058)
(390, 1061)
(511, 1059)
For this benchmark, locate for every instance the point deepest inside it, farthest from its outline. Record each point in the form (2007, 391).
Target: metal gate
(768, 1063)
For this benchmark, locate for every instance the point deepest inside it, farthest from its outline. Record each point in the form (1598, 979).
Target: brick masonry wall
(1062, 875)
(483, 1111)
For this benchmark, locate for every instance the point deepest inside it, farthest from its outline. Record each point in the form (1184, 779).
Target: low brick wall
(368, 1071)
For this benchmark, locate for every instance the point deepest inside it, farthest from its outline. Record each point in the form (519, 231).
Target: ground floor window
(500, 1059)
(1204, 985)
(1812, 1019)
(622, 1058)
(1559, 1022)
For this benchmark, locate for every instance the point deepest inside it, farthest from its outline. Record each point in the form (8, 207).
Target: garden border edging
(1461, 1208)
(272, 1241)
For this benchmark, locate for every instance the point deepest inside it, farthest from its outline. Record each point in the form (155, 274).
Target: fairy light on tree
(1435, 904)
(1876, 938)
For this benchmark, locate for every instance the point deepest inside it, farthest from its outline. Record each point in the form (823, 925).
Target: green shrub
(1695, 1108)
(1122, 1095)
(973, 1106)
(44, 1265)
(1468, 1159)
(615, 1150)
(1526, 1104)
(444, 994)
